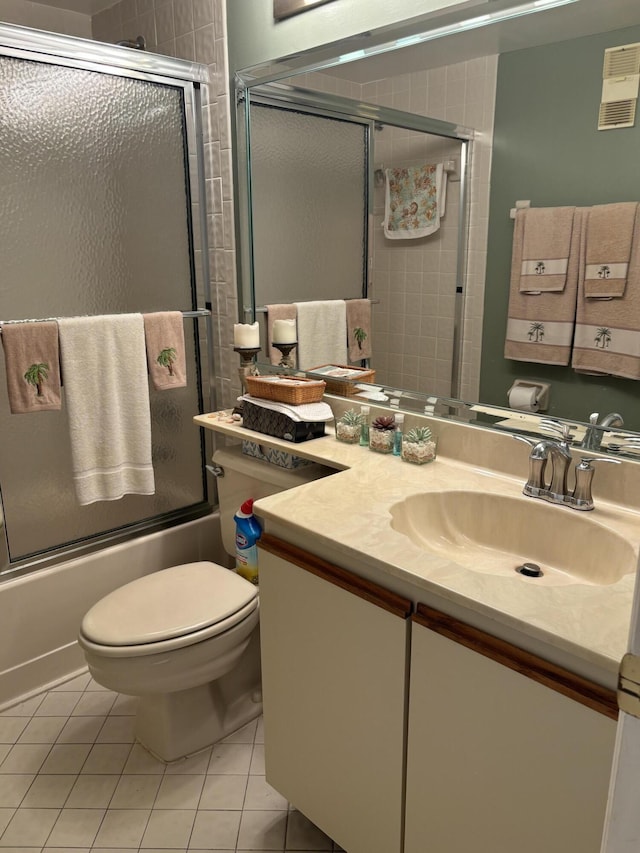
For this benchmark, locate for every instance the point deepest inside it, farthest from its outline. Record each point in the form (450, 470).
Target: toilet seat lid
(166, 604)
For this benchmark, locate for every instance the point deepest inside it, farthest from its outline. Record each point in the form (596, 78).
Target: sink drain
(530, 570)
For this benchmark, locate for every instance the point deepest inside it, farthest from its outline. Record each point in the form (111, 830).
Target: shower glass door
(96, 215)
(309, 205)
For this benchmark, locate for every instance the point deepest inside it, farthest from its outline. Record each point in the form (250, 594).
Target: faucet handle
(582, 497)
(587, 461)
(559, 430)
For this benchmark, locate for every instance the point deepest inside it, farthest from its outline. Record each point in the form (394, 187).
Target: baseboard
(40, 674)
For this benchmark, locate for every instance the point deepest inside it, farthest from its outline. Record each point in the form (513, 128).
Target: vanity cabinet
(399, 733)
(334, 650)
(505, 752)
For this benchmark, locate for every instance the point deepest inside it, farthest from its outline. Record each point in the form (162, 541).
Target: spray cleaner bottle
(248, 531)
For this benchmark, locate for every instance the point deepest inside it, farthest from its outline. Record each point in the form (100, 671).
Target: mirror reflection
(320, 186)
(531, 95)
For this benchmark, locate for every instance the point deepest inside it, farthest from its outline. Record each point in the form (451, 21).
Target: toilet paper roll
(524, 398)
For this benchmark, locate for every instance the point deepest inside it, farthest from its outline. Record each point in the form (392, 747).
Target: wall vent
(620, 84)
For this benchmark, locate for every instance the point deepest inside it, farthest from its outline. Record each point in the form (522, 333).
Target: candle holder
(247, 364)
(285, 349)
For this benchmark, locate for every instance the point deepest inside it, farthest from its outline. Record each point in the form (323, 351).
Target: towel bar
(262, 309)
(201, 312)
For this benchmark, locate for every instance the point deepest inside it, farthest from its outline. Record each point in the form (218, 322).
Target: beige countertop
(346, 519)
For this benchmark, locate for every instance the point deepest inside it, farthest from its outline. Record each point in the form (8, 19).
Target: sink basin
(495, 534)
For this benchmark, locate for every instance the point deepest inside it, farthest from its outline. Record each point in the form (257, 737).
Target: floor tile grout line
(162, 776)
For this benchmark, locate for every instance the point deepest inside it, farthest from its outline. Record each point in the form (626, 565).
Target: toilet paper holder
(540, 400)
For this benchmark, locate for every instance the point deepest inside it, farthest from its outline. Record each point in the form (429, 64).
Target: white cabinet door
(622, 824)
(498, 761)
(333, 670)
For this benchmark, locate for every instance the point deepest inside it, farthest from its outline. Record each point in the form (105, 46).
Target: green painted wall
(547, 148)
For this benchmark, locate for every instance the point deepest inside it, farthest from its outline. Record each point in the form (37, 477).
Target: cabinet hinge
(629, 685)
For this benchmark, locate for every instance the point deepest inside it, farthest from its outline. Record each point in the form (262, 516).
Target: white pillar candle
(284, 332)
(246, 335)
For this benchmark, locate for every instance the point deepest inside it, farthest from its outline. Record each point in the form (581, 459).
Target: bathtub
(42, 611)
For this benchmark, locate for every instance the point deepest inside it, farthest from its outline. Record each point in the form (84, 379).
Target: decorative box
(274, 456)
(342, 378)
(279, 425)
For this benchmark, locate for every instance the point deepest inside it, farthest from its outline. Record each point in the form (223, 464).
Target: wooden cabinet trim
(575, 687)
(370, 592)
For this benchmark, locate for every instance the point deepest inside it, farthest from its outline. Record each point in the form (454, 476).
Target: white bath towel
(305, 412)
(104, 374)
(322, 333)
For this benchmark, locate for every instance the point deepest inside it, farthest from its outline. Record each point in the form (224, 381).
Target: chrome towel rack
(200, 312)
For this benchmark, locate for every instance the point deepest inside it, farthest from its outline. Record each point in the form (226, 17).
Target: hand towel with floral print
(414, 201)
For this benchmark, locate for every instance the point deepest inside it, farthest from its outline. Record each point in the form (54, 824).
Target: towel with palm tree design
(607, 335)
(358, 329)
(540, 323)
(32, 366)
(164, 337)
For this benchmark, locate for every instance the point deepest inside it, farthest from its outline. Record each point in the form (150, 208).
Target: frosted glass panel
(309, 205)
(93, 220)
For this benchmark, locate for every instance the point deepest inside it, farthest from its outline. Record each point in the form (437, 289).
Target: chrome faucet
(559, 455)
(556, 491)
(593, 436)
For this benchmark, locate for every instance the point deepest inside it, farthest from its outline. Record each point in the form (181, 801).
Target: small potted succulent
(349, 426)
(419, 446)
(381, 434)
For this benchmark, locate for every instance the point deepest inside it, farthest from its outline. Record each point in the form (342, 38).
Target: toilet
(185, 640)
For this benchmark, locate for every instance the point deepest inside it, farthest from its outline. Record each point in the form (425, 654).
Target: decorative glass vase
(349, 433)
(419, 452)
(381, 440)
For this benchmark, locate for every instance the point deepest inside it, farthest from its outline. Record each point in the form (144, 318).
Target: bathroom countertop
(345, 518)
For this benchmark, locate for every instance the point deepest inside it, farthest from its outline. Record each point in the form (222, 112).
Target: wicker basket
(286, 389)
(345, 385)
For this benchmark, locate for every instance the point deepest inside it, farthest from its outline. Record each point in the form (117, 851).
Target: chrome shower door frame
(83, 54)
(266, 91)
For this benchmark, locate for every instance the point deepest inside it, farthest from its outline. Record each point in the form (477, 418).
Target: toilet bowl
(185, 640)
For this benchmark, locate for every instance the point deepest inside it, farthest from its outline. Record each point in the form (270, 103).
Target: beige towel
(359, 329)
(540, 326)
(545, 249)
(32, 366)
(607, 335)
(286, 311)
(164, 338)
(608, 249)
(104, 368)
(322, 333)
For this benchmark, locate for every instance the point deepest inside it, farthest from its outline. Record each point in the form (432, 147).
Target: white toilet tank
(245, 477)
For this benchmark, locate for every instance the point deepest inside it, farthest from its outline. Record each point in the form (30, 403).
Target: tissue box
(279, 425)
(275, 457)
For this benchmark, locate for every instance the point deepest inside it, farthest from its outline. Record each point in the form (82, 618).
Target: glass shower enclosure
(101, 212)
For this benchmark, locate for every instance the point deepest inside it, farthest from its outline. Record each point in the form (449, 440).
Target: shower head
(138, 44)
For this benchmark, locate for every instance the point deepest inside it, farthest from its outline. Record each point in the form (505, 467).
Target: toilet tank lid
(166, 604)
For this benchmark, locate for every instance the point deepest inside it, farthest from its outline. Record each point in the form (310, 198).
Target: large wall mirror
(512, 108)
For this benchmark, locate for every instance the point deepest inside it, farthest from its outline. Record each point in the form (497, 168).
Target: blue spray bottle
(248, 531)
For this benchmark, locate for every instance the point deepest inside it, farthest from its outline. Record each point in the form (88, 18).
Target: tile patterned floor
(73, 779)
